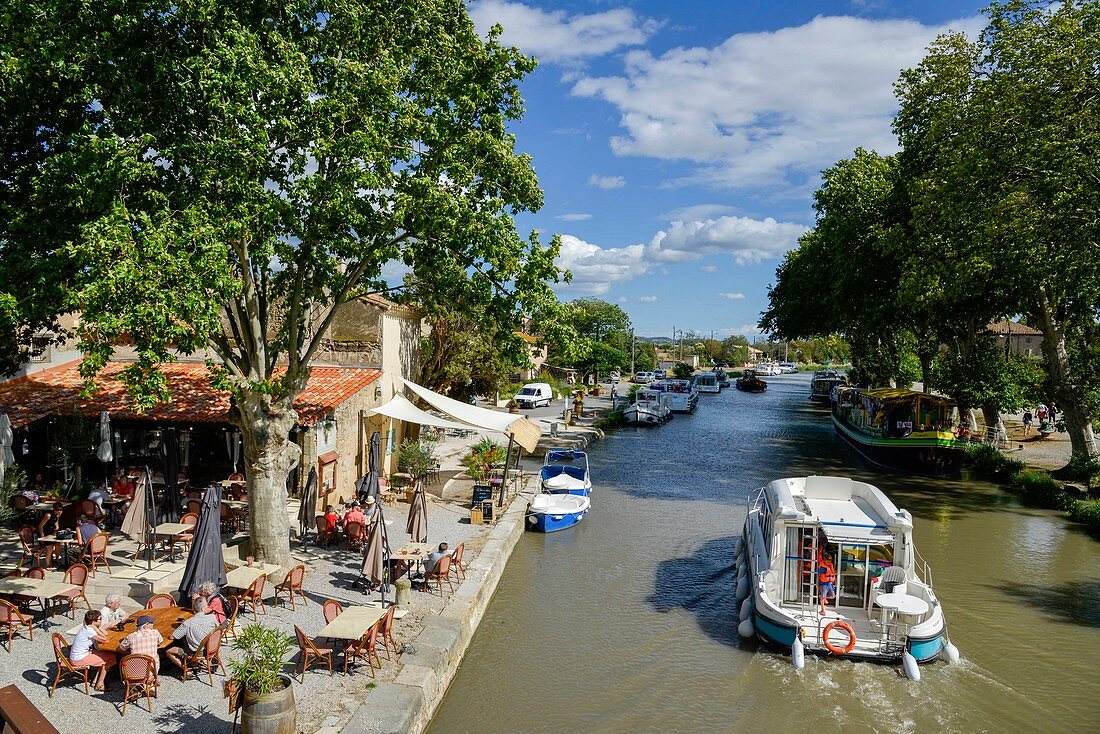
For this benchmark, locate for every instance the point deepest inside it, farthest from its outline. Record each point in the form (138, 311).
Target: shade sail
(400, 408)
(525, 432)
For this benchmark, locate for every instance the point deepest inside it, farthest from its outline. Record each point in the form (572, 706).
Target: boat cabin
(894, 413)
(707, 382)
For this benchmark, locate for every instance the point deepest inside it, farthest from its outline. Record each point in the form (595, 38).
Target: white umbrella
(106, 452)
(7, 458)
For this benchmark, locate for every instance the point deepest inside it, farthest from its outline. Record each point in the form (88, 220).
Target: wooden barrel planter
(274, 713)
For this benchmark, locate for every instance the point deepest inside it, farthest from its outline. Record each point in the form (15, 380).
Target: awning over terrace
(401, 409)
(525, 432)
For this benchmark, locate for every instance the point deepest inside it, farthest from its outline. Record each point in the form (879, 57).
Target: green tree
(1003, 134)
(645, 357)
(212, 174)
(595, 337)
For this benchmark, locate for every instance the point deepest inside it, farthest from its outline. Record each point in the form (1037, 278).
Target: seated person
(192, 632)
(432, 559)
(82, 654)
(98, 495)
(371, 513)
(332, 517)
(85, 529)
(145, 640)
(215, 602)
(124, 487)
(354, 514)
(112, 613)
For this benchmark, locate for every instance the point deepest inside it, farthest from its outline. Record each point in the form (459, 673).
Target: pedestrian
(1027, 422)
(1053, 412)
(1041, 414)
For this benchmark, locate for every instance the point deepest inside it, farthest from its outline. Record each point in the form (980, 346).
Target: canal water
(627, 623)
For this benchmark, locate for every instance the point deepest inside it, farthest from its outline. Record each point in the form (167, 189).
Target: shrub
(1039, 488)
(14, 478)
(1083, 468)
(418, 457)
(1087, 512)
(483, 456)
(260, 666)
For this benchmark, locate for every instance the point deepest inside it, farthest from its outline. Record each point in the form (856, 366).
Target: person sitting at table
(371, 513)
(112, 612)
(332, 517)
(433, 558)
(39, 484)
(85, 529)
(99, 495)
(208, 591)
(145, 640)
(82, 654)
(354, 514)
(123, 487)
(192, 632)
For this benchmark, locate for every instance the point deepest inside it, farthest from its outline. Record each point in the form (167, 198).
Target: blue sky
(679, 143)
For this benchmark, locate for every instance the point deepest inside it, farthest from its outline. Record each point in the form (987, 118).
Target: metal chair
(77, 575)
(95, 551)
(209, 655)
(311, 653)
(292, 584)
(13, 619)
(160, 601)
(254, 596)
(139, 673)
(364, 648)
(64, 667)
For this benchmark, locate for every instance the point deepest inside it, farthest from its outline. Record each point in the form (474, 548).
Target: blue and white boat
(801, 530)
(565, 471)
(549, 513)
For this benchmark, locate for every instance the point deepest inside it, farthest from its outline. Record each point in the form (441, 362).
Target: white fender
(950, 652)
(742, 589)
(746, 609)
(746, 629)
(909, 663)
(798, 654)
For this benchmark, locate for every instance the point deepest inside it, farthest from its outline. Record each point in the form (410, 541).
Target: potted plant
(268, 703)
(483, 456)
(513, 406)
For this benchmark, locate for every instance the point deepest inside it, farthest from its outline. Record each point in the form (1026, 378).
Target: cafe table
(243, 576)
(413, 552)
(165, 620)
(170, 530)
(38, 588)
(353, 622)
(65, 544)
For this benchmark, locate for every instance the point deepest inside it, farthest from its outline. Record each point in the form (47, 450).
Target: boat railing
(921, 568)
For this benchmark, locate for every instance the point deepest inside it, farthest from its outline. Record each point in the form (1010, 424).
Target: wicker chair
(13, 619)
(326, 531)
(193, 507)
(311, 653)
(77, 575)
(38, 573)
(187, 536)
(160, 601)
(139, 673)
(209, 655)
(353, 531)
(34, 550)
(441, 573)
(19, 600)
(253, 596)
(456, 562)
(386, 633)
(292, 585)
(230, 625)
(64, 667)
(95, 551)
(364, 647)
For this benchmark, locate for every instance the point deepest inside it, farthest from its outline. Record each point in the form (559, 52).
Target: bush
(1039, 488)
(483, 456)
(418, 457)
(14, 478)
(1087, 512)
(1083, 468)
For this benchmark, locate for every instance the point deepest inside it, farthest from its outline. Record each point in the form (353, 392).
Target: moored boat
(566, 471)
(648, 409)
(749, 382)
(549, 513)
(901, 430)
(822, 384)
(801, 531)
(678, 395)
(707, 382)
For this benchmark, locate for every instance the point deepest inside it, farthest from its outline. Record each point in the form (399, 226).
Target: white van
(534, 394)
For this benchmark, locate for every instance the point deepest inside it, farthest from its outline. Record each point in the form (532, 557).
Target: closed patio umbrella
(205, 561)
(106, 451)
(233, 448)
(374, 565)
(173, 504)
(138, 521)
(308, 510)
(417, 525)
(369, 486)
(7, 457)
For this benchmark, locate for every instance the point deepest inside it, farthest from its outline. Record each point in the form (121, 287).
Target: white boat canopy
(401, 409)
(525, 432)
(850, 521)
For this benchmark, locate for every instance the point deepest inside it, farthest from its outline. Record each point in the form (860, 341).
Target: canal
(627, 623)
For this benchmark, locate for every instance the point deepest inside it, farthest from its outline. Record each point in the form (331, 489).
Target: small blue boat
(549, 513)
(565, 471)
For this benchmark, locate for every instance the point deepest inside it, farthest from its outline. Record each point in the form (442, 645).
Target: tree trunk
(1066, 391)
(265, 425)
(993, 426)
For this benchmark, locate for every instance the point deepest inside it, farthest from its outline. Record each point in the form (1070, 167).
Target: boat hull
(645, 417)
(912, 455)
(550, 522)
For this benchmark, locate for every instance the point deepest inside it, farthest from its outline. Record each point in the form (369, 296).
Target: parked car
(534, 394)
(658, 374)
(789, 368)
(643, 377)
(613, 377)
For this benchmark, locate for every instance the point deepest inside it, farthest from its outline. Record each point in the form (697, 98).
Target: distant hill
(656, 340)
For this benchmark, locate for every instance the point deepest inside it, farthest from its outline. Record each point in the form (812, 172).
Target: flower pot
(274, 713)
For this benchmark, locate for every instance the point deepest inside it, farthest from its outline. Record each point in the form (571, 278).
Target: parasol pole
(507, 460)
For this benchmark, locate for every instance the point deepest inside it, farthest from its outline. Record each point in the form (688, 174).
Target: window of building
(40, 350)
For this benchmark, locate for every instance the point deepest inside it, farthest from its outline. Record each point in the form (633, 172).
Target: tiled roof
(57, 391)
(1012, 327)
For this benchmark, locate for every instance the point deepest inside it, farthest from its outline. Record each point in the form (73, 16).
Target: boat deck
(871, 638)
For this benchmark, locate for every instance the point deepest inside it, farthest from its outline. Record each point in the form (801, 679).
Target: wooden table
(38, 588)
(353, 622)
(165, 620)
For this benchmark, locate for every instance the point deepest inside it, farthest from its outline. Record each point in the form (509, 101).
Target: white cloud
(698, 211)
(648, 299)
(709, 268)
(606, 182)
(556, 36)
(732, 296)
(574, 217)
(743, 330)
(746, 240)
(769, 108)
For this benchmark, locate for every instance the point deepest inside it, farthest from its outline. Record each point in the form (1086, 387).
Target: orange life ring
(834, 649)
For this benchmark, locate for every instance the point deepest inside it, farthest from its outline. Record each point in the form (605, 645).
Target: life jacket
(826, 574)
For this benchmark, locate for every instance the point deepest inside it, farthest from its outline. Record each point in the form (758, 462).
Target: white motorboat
(566, 470)
(678, 395)
(798, 532)
(648, 409)
(548, 513)
(707, 382)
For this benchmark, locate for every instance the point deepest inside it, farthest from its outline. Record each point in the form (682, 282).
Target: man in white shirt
(111, 612)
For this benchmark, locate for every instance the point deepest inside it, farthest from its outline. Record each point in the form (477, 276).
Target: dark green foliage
(682, 371)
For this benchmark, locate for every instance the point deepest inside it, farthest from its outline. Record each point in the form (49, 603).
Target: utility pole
(681, 345)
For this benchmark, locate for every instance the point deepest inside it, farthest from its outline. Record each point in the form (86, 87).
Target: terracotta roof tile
(1012, 327)
(57, 390)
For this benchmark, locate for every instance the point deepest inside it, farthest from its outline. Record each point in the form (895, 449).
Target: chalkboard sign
(487, 510)
(482, 492)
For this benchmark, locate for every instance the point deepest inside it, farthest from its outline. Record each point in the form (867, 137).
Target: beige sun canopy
(525, 432)
(401, 409)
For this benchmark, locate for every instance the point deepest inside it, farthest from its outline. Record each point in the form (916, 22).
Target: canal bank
(432, 657)
(628, 624)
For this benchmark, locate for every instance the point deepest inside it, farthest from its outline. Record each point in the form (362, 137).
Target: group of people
(365, 514)
(1046, 414)
(210, 612)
